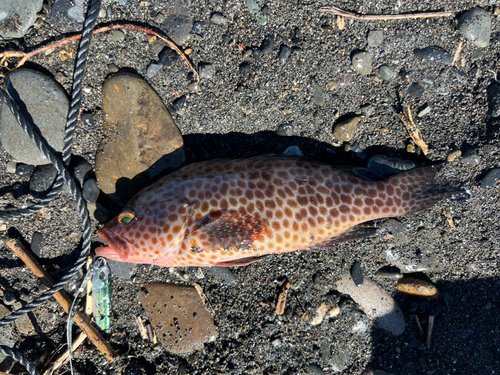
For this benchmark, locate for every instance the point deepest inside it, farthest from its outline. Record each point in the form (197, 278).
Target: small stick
(377, 17)
(419, 325)
(280, 305)
(64, 300)
(142, 329)
(413, 131)
(89, 302)
(449, 219)
(26, 55)
(64, 357)
(430, 326)
(457, 53)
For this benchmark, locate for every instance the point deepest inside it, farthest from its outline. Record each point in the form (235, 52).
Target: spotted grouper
(234, 212)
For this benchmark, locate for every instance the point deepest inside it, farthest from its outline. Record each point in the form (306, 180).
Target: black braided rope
(63, 174)
(5, 350)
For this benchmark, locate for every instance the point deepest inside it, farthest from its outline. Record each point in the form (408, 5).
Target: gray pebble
(178, 27)
(81, 171)
(91, 190)
(475, 25)
(121, 269)
(285, 130)
(491, 178)
(386, 73)
(368, 110)
(433, 54)
(159, 19)
(68, 16)
(489, 149)
(494, 99)
(247, 54)
(153, 69)
(193, 86)
(244, 68)
(197, 26)
(387, 166)
(117, 36)
(293, 150)
(17, 16)
(375, 38)
(223, 273)
(319, 95)
(357, 274)
(425, 110)
(9, 298)
(267, 46)
(37, 243)
(362, 63)
(168, 57)
(219, 19)
(88, 118)
(112, 68)
(43, 178)
(180, 103)
(314, 369)
(471, 157)
(11, 166)
(284, 54)
(206, 71)
(415, 90)
(389, 273)
(257, 53)
(47, 104)
(109, 11)
(24, 169)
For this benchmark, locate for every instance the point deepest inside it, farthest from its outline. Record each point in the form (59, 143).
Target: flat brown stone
(141, 139)
(181, 320)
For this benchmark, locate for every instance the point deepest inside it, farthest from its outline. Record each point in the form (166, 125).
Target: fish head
(145, 233)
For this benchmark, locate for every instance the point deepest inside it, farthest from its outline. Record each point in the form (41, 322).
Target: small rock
(9, 298)
(181, 320)
(362, 63)
(471, 157)
(284, 54)
(91, 190)
(267, 46)
(417, 287)
(11, 166)
(47, 104)
(490, 179)
(453, 155)
(194, 87)
(319, 315)
(244, 69)
(178, 27)
(68, 15)
(293, 150)
(142, 140)
(427, 109)
(433, 54)
(357, 274)
(81, 170)
(247, 54)
(197, 26)
(180, 103)
(415, 90)
(341, 360)
(245, 105)
(24, 325)
(17, 16)
(386, 73)
(112, 68)
(368, 110)
(361, 327)
(319, 95)
(314, 369)
(411, 148)
(285, 130)
(153, 69)
(494, 99)
(88, 118)
(386, 166)
(377, 304)
(206, 71)
(159, 19)
(344, 130)
(24, 169)
(43, 178)
(375, 38)
(219, 19)
(475, 25)
(117, 36)
(122, 270)
(223, 273)
(254, 8)
(389, 273)
(37, 243)
(168, 57)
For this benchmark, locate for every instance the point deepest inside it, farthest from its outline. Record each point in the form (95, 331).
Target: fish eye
(126, 217)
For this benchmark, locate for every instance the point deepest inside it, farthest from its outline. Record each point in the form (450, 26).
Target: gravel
(461, 262)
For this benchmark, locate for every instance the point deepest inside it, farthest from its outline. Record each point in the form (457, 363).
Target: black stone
(24, 169)
(43, 178)
(179, 103)
(244, 68)
(284, 54)
(490, 179)
(168, 57)
(285, 130)
(37, 243)
(357, 274)
(267, 46)
(415, 90)
(197, 26)
(91, 190)
(433, 54)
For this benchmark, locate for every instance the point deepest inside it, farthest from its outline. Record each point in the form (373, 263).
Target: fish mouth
(117, 249)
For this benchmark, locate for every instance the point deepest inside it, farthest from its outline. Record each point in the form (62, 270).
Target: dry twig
(280, 305)
(413, 131)
(64, 357)
(449, 219)
(23, 56)
(377, 17)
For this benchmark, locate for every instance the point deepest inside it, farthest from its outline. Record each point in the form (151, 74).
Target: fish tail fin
(413, 191)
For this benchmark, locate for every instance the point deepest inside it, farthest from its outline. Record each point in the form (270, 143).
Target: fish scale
(233, 212)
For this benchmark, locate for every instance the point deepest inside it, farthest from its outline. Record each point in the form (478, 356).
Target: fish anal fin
(240, 262)
(356, 233)
(225, 230)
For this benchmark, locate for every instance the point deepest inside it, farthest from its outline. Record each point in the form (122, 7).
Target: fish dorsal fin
(225, 230)
(356, 233)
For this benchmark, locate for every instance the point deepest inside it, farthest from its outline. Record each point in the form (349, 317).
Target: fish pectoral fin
(240, 262)
(356, 233)
(224, 230)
